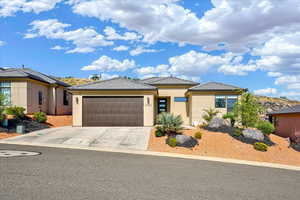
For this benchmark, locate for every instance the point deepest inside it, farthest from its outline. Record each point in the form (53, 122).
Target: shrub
(260, 146)
(231, 116)
(237, 132)
(198, 135)
(248, 110)
(265, 127)
(171, 141)
(169, 123)
(18, 112)
(40, 117)
(209, 114)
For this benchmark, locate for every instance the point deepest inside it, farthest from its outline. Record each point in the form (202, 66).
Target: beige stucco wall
(177, 108)
(204, 100)
(19, 94)
(148, 103)
(61, 108)
(33, 100)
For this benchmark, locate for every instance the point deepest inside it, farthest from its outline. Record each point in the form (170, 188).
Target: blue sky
(251, 43)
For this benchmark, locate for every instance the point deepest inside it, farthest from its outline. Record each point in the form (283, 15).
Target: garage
(113, 111)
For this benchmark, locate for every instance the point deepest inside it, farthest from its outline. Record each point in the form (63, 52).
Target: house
(35, 91)
(124, 102)
(287, 121)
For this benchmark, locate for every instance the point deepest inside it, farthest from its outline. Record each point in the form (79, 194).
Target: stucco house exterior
(35, 91)
(287, 122)
(124, 102)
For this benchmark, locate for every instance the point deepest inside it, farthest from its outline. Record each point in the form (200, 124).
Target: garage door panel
(113, 111)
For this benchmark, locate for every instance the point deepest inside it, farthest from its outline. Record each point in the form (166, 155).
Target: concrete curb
(163, 154)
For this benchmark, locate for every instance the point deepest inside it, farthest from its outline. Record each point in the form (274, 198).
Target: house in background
(123, 102)
(287, 122)
(35, 91)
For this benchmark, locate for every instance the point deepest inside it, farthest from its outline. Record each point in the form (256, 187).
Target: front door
(162, 105)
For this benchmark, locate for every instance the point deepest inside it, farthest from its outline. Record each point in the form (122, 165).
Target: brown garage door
(113, 111)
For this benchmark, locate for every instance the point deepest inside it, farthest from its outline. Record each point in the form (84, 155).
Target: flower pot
(20, 129)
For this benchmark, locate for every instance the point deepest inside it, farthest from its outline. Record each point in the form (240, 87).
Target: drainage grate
(14, 153)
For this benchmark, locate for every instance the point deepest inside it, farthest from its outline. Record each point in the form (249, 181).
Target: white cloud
(274, 74)
(10, 7)
(2, 43)
(107, 64)
(139, 50)
(111, 34)
(85, 39)
(105, 76)
(240, 70)
(121, 48)
(266, 91)
(169, 21)
(57, 47)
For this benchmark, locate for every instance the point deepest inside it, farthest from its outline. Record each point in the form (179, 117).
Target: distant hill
(75, 81)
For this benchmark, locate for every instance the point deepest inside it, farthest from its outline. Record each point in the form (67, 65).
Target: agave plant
(169, 123)
(209, 114)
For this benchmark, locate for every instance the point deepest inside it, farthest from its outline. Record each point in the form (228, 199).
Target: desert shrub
(198, 135)
(18, 112)
(169, 123)
(231, 116)
(237, 132)
(260, 146)
(171, 141)
(209, 114)
(40, 117)
(265, 127)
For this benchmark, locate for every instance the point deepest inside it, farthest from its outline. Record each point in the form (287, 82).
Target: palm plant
(169, 123)
(209, 114)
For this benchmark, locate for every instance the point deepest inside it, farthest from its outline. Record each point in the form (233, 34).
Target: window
(220, 101)
(180, 99)
(231, 100)
(40, 98)
(66, 98)
(5, 89)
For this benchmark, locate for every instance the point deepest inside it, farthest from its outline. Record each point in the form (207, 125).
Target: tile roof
(29, 73)
(214, 86)
(293, 109)
(168, 81)
(114, 84)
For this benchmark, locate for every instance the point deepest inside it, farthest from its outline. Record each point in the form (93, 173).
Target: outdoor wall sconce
(77, 100)
(148, 101)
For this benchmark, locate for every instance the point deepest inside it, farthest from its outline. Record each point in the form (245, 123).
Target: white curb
(163, 154)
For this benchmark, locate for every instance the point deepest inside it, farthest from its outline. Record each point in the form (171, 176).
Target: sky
(253, 44)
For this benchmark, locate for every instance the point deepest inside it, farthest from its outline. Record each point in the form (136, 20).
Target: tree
(248, 110)
(95, 77)
(209, 114)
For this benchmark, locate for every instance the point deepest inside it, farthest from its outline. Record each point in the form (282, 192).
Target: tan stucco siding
(33, 99)
(61, 108)
(205, 100)
(19, 94)
(148, 103)
(177, 108)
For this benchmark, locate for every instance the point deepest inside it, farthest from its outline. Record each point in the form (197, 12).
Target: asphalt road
(80, 174)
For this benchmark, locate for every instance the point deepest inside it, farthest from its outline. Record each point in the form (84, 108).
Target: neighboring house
(35, 91)
(123, 102)
(287, 121)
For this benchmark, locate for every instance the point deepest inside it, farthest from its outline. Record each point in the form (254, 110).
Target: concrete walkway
(135, 138)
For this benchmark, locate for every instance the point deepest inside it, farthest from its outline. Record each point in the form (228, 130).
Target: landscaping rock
(186, 141)
(253, 134)
(218, 123)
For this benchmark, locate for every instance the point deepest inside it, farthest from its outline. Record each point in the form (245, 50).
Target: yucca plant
(169, 123)
(209, 114)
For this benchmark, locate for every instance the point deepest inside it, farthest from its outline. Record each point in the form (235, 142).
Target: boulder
(218, 123)
(253, 134)
(186, 141)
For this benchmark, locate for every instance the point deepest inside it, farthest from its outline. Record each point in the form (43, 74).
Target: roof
(114, 84)
(29, 73)
(293, 109)
(214, 86)
(168, 81)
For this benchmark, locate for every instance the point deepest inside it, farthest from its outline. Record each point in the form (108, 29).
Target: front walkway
(135, 138)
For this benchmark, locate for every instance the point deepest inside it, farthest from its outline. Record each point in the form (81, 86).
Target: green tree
(209, 114)
(248, 110)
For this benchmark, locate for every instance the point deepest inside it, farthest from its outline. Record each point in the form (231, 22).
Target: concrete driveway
(112, 137)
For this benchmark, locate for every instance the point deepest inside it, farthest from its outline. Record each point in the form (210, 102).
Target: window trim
(8, 86)
(220, 97)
